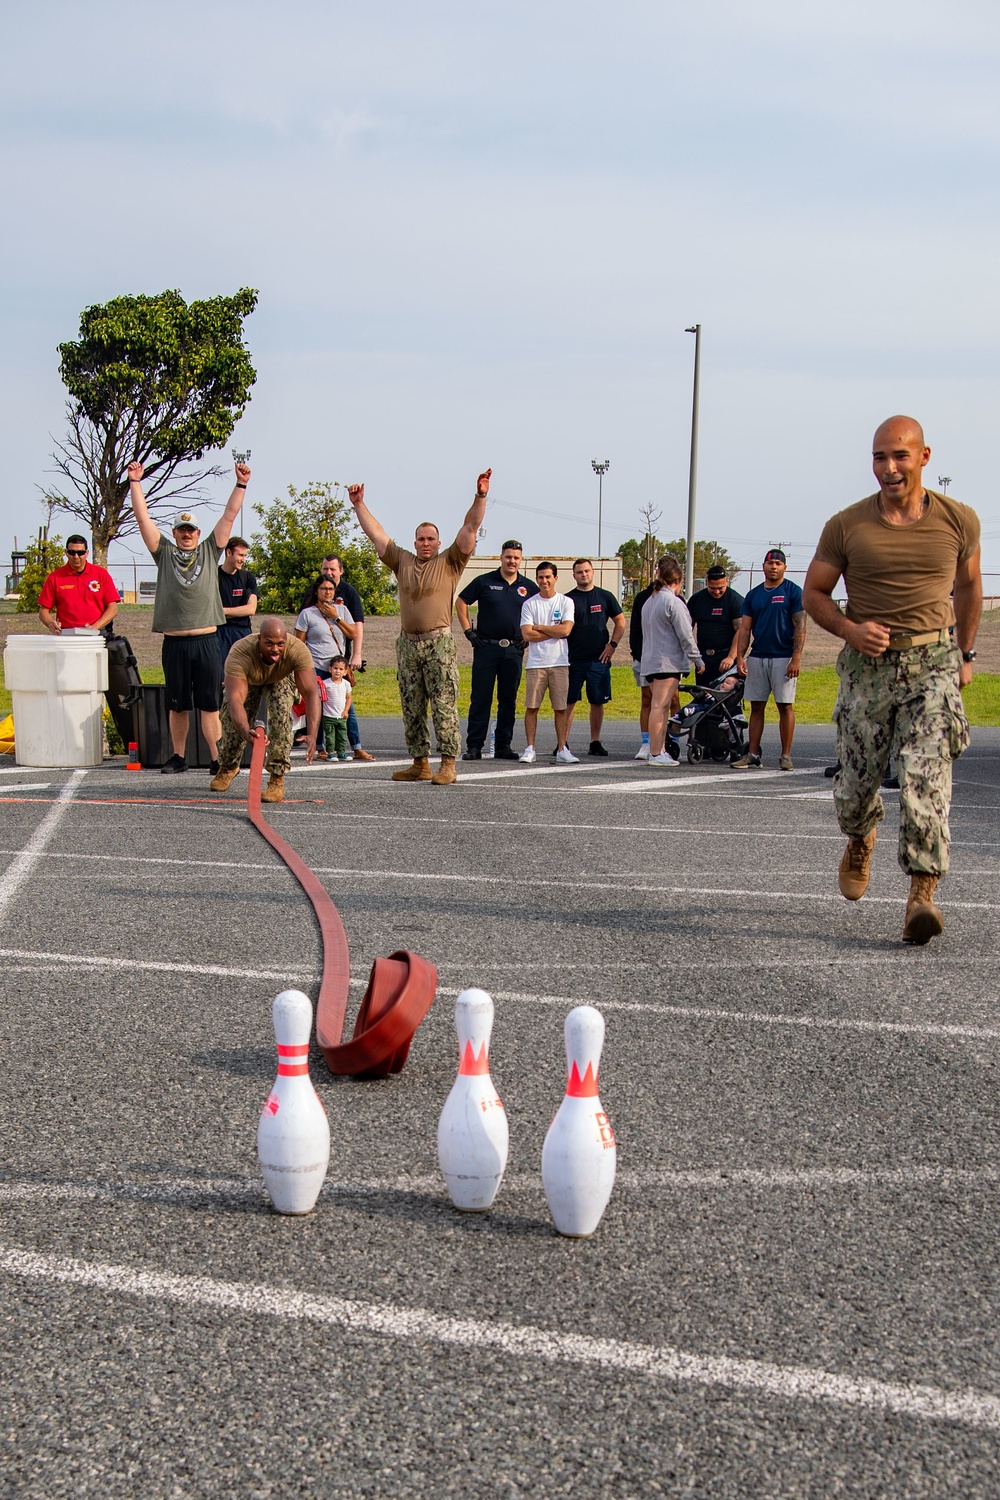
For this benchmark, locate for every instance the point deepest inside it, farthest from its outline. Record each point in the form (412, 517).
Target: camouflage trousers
(427, 673)
(905, 704)
(278, 758)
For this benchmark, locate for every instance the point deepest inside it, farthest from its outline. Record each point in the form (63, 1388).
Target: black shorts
(192, 671)
(596, 675)
(662, 676)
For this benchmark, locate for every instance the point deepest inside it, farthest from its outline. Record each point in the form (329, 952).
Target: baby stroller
(713, 723)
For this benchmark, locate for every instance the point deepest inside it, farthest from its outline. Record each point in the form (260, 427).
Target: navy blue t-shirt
(499, 617)
(235, 590)
(772, 611)
(592, 609)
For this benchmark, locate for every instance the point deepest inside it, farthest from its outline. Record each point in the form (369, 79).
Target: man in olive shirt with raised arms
(278, 665)
(426, 660)
(188, 612)
(904, 553)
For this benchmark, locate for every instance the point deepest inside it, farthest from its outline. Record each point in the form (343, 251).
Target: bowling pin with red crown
(293, 1136)
(579, 1157)
(472, 1130)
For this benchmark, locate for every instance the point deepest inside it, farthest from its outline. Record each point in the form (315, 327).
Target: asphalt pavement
(794, 1289)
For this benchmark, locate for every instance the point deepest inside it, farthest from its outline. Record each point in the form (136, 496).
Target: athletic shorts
(766, 678)
(597, 677)
(192, 671)
(537, 679)
(662, 676)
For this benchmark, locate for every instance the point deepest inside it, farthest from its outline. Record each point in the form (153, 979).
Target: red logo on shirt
(597, 609)
(94, 585)
(522, 591)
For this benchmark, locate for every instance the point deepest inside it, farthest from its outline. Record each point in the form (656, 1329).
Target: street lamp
(944, 480)
(693, 469)
(600, 469)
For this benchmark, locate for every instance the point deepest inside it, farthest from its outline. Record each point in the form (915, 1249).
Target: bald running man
(277, 664)
(909, 558)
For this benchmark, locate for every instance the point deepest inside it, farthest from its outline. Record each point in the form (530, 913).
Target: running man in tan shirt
(426, 659)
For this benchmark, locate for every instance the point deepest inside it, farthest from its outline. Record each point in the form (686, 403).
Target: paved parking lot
(794, 1290)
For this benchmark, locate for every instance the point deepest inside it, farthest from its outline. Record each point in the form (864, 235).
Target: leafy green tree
(155, 379)
(41, 556)
(639, 557)
(297, 533)
(706, 555)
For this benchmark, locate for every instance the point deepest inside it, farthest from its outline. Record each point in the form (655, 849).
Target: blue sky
(479, 231)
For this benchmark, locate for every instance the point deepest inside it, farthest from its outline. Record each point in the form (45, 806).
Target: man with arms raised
(497, 649)
(188, 612)
(280, 666)
(904, 552)
(426, 660)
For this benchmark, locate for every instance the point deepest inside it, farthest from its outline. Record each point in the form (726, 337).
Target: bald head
(272, 639)
(895, 427)
(899, 454)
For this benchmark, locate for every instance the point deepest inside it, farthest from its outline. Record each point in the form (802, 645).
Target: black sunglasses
(76, 551)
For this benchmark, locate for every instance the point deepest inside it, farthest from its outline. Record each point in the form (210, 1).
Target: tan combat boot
(856, 867)
(275, 789)
(419, 771)
(923, 918)
(447, 774)
(223, 780)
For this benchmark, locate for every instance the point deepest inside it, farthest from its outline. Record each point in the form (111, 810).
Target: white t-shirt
(336, 697)
(554, 611)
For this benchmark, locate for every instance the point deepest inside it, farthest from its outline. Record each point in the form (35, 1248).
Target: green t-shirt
(187, 586)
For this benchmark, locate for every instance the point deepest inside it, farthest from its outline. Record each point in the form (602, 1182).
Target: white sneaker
(566, 757)
(643, 752)
(527, 755)
(663, 759)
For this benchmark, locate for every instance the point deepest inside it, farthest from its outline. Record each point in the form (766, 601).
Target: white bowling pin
(472, 1130)
(293, 1136)
(579, 1157)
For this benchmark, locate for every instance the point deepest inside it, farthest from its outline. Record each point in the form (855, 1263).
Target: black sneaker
(596, 748)
(471, 754)
(174, 766)
(672, 747)
(213, 768)
(832, 770)
(504, 752)
(891, 783)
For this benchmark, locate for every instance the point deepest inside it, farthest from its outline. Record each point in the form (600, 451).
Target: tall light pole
(600, 469)
(944, 480)
(693, 469)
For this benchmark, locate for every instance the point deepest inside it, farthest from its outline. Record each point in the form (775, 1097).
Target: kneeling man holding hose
(275, 663)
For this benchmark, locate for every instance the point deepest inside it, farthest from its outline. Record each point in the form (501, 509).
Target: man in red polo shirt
(77, 594)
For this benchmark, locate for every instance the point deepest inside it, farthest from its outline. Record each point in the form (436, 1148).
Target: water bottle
(491, 752)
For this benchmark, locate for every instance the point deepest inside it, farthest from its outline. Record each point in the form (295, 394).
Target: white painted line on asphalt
(757, 1017)
(666, 780)
(639, 1007)
(964, 1406)
(183, 1189)
(21, 866)
(32, 786)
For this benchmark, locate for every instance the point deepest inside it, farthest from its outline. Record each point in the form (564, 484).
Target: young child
(336, 705)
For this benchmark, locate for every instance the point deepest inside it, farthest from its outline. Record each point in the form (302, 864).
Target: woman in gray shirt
(668, 647)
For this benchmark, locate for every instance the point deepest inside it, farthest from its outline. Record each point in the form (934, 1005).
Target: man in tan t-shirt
(427, 664)
(271, 663)
(909, 558)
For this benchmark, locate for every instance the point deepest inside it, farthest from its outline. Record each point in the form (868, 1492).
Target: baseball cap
(184, 518)
(775, 555)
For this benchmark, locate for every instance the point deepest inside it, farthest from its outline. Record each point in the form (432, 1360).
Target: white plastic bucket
(57, 684)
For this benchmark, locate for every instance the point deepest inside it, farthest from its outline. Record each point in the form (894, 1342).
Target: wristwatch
(968, 655)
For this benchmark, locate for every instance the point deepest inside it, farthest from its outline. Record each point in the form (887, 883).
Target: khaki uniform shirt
(426, 586)
(244, 660)
(900, 576)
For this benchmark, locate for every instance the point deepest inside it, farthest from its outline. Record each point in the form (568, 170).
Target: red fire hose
(400, 988)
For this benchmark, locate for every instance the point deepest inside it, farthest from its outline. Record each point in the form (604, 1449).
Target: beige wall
(607, 571)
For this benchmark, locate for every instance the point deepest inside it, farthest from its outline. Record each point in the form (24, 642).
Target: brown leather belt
(928, 638)
(427, 635)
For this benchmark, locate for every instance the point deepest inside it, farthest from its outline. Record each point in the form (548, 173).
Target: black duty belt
(504, 641)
